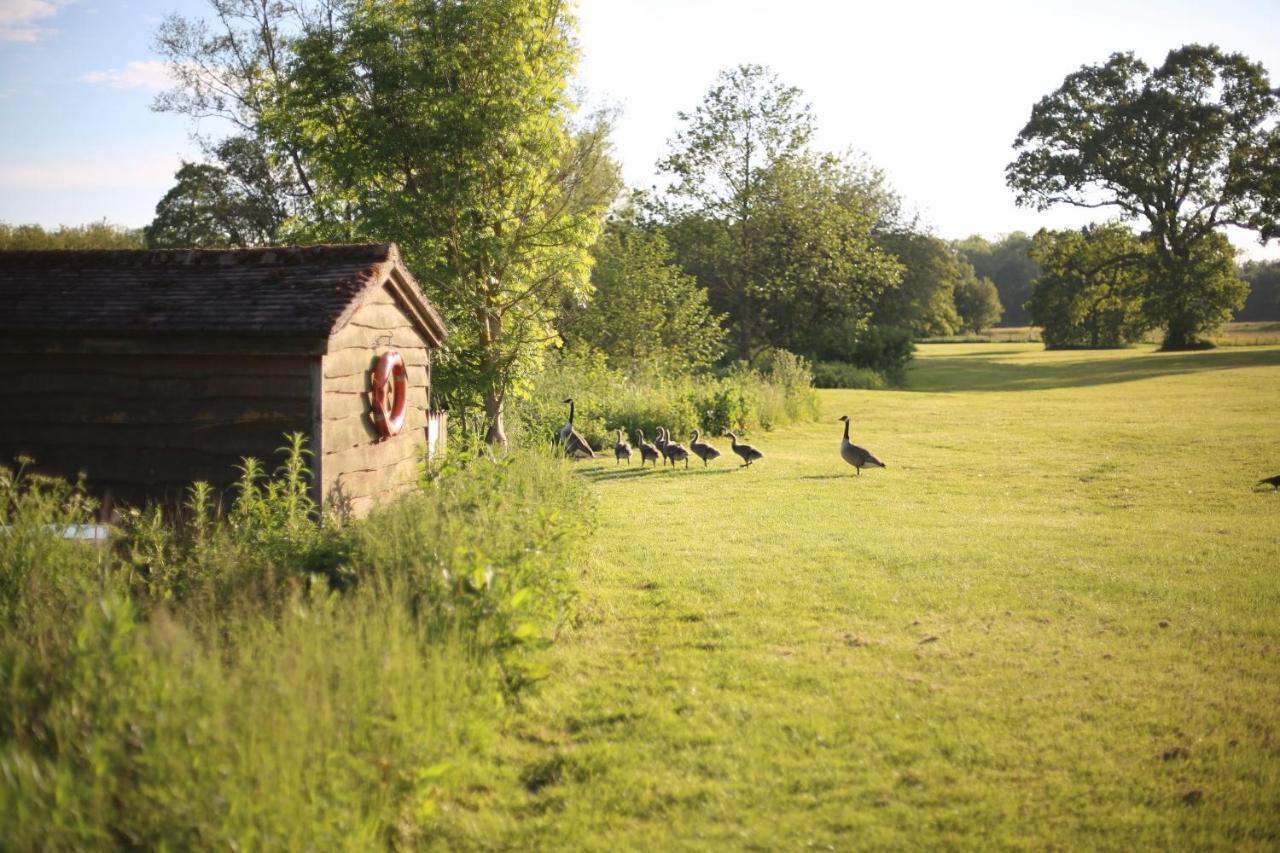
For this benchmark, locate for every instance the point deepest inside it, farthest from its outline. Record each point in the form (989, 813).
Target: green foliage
(777, 392)
(39, 566)
(313, 716)
(1090, 292)
(462, 551)
(885, 349)
(747, 122)
(503, 230)
(644, 312)
(840, 374)
(240, 200)
(1263, 300)
(820, 271)
(977, 303)
(924, 300)
(1195, 296)
(270, 539)
(1187, 148)
(95, 235)
(1008, 263)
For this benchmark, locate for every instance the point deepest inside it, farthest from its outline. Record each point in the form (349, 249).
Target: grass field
(1247, 334)
(1052, 622)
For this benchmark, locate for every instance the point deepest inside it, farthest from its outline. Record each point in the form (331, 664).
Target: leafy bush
(779, 392)
(265, 678)
(839, 374)
(886, 350)
(40, 568)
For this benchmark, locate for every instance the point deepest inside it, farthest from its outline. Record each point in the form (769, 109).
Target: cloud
(152, 74)
(19, 18)
(100, 172)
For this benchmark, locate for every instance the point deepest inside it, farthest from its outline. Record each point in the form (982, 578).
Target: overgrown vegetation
(778, 392)
(260, 679)
(95, 235)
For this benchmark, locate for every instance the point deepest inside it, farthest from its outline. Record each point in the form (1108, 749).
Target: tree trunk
(744, 327)
(495, 390)
(494, 399)
(1180, 335)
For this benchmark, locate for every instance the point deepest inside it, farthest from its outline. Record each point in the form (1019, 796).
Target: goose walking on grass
(621, 450)
(856, 456)
(702, 450)
(674, 451)
(748, 453)
(571, 440)
(647, 450)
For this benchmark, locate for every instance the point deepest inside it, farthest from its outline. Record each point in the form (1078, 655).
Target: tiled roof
(271, 291)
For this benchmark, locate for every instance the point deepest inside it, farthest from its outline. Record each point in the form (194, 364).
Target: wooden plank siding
(147, 426)
(358, 468)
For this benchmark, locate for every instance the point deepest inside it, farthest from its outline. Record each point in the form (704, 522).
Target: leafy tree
(444, 126)
(924, 301)
(95, 235)
(1092, 288)
(977, 303)
(1210, 263)
(778, 234)
(746, 124)
(242, 201)
(644, 310)
(1185, 148)
(234, 69)
(1007, 262)
(1263, 301)
(447, 126)
(820, 270)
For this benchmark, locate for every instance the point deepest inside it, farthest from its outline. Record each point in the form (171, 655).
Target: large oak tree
(1186, 148)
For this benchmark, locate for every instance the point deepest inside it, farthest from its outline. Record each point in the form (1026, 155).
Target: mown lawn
(1053, 621)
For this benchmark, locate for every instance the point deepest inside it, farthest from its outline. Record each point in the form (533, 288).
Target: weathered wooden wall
(356, 468)
(146, 426)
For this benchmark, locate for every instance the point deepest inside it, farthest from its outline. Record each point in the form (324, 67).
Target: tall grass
(260, 679)
(777, 392)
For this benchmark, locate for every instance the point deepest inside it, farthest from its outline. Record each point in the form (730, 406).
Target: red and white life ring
(389, 409)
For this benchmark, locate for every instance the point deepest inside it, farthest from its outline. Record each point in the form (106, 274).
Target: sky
(933, 93)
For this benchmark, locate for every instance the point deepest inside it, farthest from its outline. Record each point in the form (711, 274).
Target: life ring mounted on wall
(390, 394)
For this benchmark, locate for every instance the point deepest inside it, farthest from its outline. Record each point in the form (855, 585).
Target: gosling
(748, 453)
(702, 450)
(621, 450)
(648, 450)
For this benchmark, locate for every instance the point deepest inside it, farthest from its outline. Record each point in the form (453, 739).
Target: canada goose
(647, 450)
(576, 446)
(563, 435)
(856, 456)
(748, 453)
(675, 451)
(660, 442)
(1273, 482)
(702, 450)
(621, 450)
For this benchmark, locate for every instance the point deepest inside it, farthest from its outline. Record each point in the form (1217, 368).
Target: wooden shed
(147, 370)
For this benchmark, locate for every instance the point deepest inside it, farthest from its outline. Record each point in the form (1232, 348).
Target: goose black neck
(570, 411)
(846, 430)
